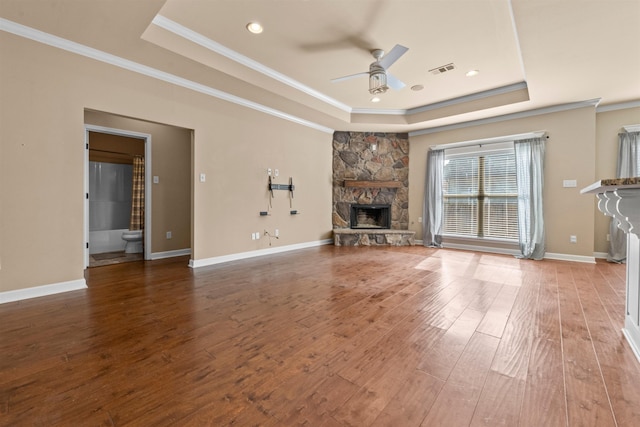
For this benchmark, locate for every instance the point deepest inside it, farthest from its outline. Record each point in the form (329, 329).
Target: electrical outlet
(276, 232)
(573, 239)
(169, 235)
(608, 237)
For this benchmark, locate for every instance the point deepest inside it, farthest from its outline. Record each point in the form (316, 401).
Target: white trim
(618, 106)
(447, 103)
(568, 257)
(196, 263)
(170, 254)
(631, 128)
(216, 47)
(98, 55)
(41, 291)
(511, 116)
(147, 181)
(632, 338)
(600, 255)
(468, 98)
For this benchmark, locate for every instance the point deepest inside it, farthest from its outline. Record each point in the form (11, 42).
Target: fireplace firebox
(370, 216)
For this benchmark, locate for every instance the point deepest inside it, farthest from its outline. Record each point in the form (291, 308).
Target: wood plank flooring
(328, 336)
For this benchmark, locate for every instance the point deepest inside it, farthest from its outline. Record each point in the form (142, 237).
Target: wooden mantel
(372, 184)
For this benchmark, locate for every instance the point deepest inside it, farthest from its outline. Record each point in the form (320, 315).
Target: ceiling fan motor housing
(377, 79)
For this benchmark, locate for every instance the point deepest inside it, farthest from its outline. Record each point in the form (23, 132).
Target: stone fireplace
(371, 169)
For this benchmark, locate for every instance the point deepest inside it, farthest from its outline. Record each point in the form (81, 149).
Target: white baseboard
(567, 257)
(600, 255)
(170, 254)
(41, 291)
(195, 263)
(548, 255)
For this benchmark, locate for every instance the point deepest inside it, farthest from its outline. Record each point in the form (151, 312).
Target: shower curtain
(137, 196)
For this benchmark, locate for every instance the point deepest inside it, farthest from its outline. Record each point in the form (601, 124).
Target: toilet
(134, 241)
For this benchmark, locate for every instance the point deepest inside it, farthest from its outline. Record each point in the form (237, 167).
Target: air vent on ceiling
(442, 69)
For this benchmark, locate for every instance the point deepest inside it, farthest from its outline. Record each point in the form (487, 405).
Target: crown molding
(207, 43)
(468, 98)
(447, 103)
(98, 55)
(511, 116)
(618, 106)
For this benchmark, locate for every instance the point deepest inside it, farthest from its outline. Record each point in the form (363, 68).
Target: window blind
(480, 194)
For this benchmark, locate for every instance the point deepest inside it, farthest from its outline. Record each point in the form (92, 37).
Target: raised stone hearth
(352, 237)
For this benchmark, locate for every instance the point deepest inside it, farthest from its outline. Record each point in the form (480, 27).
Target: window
(480, 194)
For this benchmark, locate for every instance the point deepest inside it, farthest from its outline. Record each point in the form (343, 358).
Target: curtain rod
(114, 152)
(507, 138)
(631, 128)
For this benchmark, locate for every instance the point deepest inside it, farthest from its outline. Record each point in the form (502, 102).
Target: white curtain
(433, 208)
(529, 176)
(627, 167)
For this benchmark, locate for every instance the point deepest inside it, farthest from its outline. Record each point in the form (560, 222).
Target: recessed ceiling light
(254, 27)
(472, 73)
(375, 99)
(417, 88)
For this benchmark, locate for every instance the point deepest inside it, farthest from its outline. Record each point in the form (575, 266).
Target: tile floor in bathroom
(108, 258)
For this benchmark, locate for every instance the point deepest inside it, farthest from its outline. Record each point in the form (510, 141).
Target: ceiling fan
(379, 80)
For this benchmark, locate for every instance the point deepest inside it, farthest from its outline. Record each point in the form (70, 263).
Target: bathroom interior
(116, 199)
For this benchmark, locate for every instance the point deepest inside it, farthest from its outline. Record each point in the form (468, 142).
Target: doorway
(113, 206)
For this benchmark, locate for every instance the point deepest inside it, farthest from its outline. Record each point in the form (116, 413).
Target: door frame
(147, 184)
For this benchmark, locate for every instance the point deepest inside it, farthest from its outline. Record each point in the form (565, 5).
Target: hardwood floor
(328, 336)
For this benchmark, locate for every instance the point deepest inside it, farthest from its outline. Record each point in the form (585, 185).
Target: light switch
(203, 177)
(567, 183)
(156, 179)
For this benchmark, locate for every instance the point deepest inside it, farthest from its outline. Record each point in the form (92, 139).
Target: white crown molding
(511, 116)
(447, 103)
(468, 98)
(41, 291)
(207, 43)
(98, 55)
(195, 263)
(619, 106)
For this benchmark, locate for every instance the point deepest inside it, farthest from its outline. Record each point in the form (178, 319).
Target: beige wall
(45, 91)
(569, 154)
(171, 163)
(608, 125)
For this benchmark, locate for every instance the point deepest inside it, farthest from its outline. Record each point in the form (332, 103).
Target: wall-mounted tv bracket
(288, 187)
(272, 186)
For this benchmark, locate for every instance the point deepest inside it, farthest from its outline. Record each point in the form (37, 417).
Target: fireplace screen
(370, 216)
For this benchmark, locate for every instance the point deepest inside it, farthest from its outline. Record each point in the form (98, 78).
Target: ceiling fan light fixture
(378, 81)
(254, 27)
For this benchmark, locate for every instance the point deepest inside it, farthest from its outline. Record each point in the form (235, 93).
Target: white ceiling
(530, 53)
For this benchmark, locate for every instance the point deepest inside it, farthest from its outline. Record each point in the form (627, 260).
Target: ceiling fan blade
(394, 82)
(393, 55)
(339, 79)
